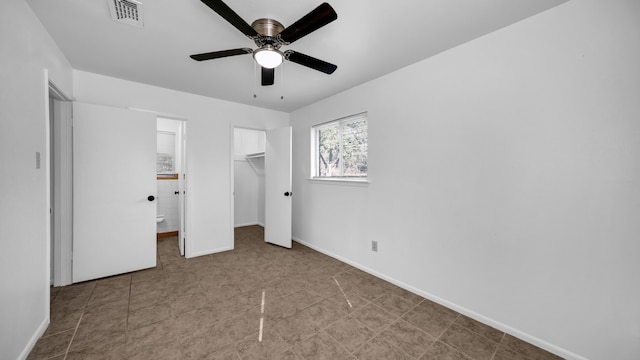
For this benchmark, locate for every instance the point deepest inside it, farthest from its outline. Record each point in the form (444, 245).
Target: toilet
(159, 218)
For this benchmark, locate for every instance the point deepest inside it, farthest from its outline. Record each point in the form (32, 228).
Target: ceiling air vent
(127, 11)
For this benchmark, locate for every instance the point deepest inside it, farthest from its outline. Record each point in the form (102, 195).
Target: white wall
(504, 179)
(209, 154)
(26, 50)
(248, 177)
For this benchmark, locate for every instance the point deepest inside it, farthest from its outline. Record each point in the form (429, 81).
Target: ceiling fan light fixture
(268, 57)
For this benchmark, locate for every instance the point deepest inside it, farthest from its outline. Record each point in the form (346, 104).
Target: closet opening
(248, 183)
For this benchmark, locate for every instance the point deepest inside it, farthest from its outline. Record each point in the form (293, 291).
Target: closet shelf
(253, 156)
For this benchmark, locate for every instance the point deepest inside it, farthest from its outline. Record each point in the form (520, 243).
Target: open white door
(114, 189)
(182, 151)
(278, 189)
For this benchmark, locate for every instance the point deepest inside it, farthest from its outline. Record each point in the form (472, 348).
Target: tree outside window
(341, 148)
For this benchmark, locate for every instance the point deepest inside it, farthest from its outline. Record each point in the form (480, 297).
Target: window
(340, 148)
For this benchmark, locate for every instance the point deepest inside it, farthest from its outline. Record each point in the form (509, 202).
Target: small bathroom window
(165, 158)
(164, 164)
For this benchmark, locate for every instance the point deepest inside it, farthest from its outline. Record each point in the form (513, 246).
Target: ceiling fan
(269, 35)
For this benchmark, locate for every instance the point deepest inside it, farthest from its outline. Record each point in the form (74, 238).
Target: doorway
(60, 186)
(261, 179)
(170, 165)
(61, 162)
(248, 179)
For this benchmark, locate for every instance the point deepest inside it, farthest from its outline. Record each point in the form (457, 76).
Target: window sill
(341, 181)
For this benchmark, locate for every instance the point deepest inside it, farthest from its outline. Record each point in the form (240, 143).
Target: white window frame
(314, 175)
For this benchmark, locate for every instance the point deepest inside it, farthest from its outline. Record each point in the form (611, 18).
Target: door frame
(232, 178)
(181, 137)
(182, 187)
(181, 161)
(60, 222)
(62, 251)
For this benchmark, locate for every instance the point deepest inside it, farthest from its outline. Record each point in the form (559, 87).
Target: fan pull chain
(255, 79)
(281, 84)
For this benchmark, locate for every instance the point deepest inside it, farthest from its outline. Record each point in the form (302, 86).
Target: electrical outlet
(374, 246)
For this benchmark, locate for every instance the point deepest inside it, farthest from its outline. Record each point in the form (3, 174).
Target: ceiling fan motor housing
(268, 30)
(268, 27)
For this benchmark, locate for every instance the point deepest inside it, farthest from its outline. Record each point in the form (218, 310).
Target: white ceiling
(369, 39)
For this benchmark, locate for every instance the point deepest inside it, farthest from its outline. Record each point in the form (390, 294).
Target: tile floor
(261, 301)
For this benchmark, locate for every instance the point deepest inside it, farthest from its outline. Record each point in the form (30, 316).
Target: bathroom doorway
(171, 191)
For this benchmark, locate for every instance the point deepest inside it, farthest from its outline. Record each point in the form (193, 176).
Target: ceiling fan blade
(317, 18)
(267, 76)
(309, 61)
(220, 54)
(234, 19)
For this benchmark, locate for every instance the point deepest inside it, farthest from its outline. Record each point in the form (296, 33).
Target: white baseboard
(34, 339)
(247, 224)
(207, 252)
(464, 311)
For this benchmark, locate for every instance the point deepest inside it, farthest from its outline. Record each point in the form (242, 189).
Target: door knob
(151, 198)
(288, 193)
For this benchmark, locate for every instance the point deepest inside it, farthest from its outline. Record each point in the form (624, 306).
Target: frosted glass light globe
(268, 57)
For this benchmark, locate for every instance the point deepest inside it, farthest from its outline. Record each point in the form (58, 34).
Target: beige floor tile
(379, 349)
(348, 302)
(279, 308)
(297, 327)
(405, 294)
(144, 286)
(106, 352)
(192, 323)
(112, 310)
(200, 346)
(270, 346)
(527, 350)
(210, 307)
(102, 296)
(322, 346)
(63, 320)
(407, 337)
(98, 338)
(480, 328)
(147, 299)
(466, 341)
(165, 351)
(302, 299)
(349, 332)
(374, 317)
(149, 315)
(244, 324)
(427, 321)
(113, 283)
(50, 346)
(94, 330)
(441, 351)
(225, 353)
(153, 334)
(394, 304)
(188, 302)
(324, 313)
(75, 297)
